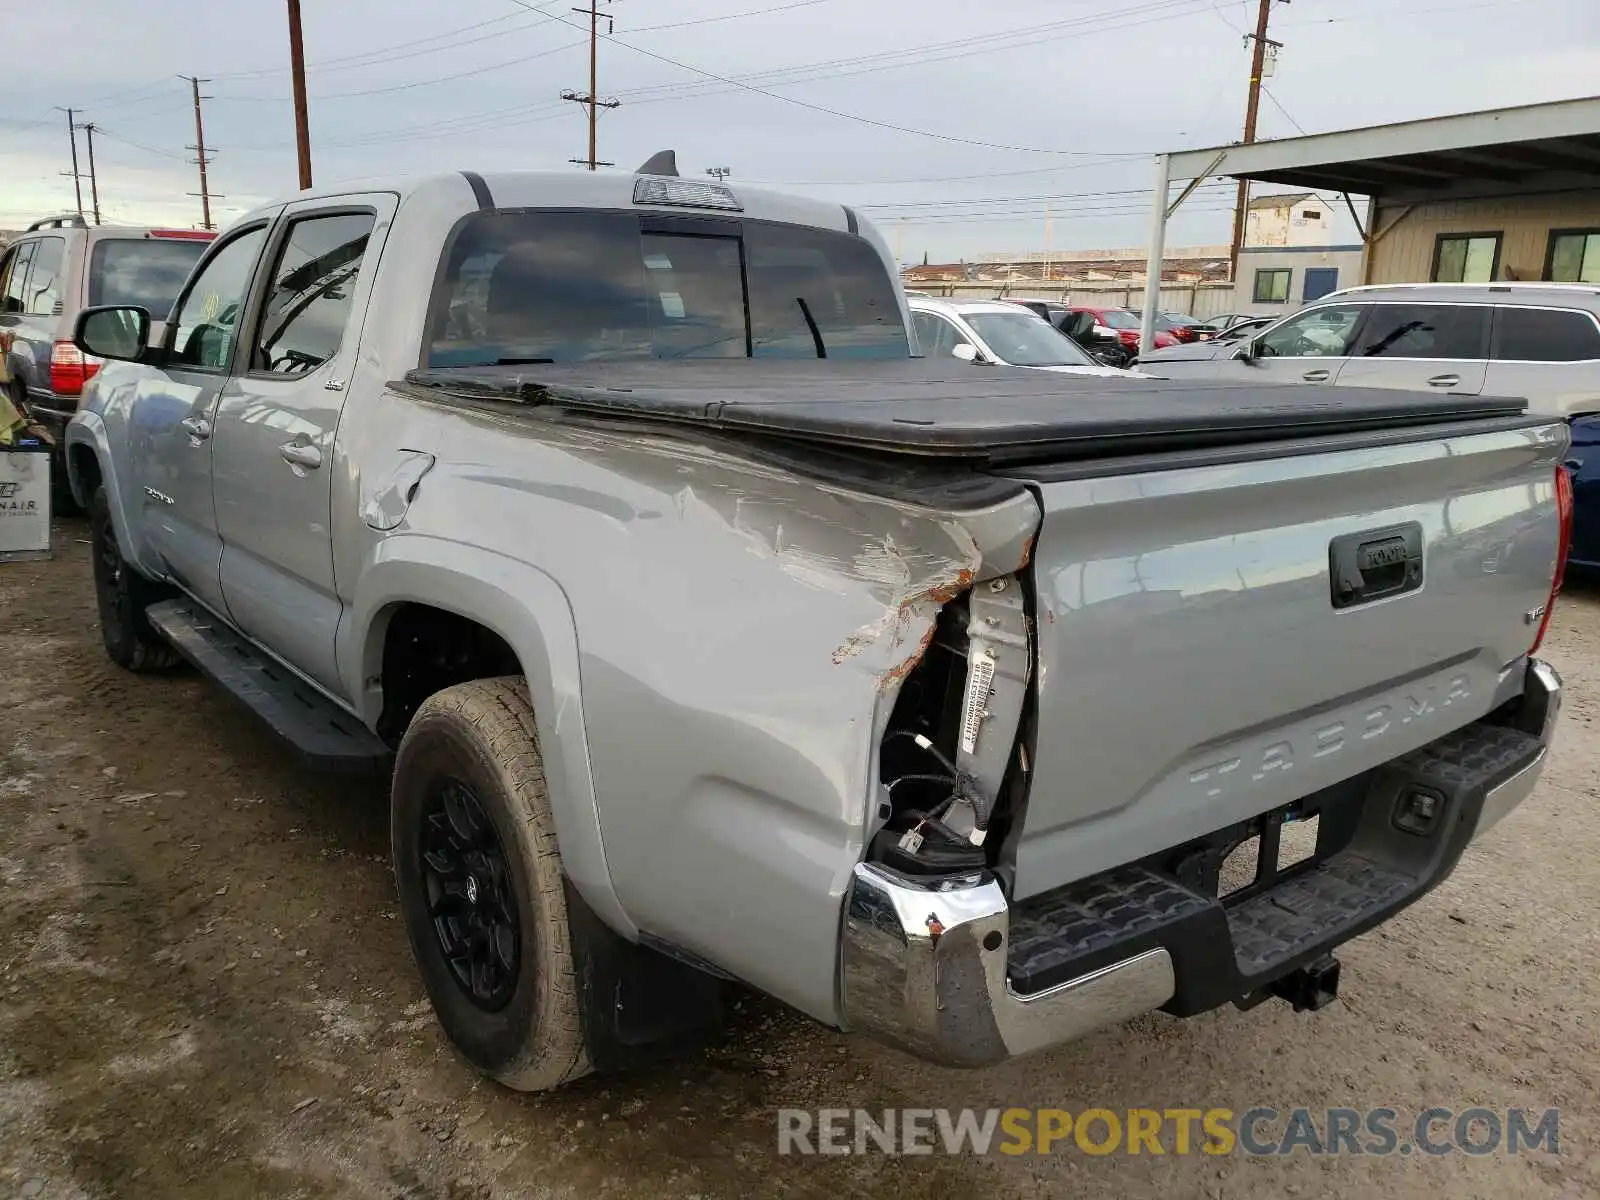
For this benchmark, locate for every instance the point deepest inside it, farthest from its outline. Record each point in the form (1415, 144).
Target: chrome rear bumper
(924, 961)
(924, 969)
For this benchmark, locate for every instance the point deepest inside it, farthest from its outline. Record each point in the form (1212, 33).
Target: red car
(1125, 324)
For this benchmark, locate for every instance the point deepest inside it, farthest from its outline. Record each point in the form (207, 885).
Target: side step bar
(329, 738)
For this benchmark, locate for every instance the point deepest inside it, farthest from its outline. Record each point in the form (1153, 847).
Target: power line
(1154, 10)
(117, 137)
(1049, 196)
(1282, 109)
(832, 112)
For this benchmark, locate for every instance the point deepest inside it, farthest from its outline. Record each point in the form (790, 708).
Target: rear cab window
(1545, 335)
(564, 286)
(147, 272)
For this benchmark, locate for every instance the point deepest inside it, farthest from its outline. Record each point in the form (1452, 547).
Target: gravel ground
(205, 992)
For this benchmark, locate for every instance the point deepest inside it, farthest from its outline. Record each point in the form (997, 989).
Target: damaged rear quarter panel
(742, 634)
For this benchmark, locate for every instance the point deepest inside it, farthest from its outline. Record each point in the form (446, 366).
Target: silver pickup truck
(712, 636)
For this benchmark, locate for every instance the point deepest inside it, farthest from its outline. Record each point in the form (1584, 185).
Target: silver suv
(1538, 341)
(59, 266)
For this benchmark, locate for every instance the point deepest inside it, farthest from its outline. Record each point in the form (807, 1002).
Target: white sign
(24, 505)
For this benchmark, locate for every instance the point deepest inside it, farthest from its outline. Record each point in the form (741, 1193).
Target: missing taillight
(1564, 544)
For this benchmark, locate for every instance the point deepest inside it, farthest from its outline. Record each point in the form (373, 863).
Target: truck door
(276, 425)
(173, 415)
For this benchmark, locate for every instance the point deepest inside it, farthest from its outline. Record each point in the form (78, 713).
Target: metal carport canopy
(1545, 144)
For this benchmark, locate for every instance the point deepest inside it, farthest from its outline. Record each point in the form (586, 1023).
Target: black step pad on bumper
(328, 737)
(1371, 860)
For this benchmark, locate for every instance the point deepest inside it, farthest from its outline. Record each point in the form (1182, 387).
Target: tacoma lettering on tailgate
(1362, 725)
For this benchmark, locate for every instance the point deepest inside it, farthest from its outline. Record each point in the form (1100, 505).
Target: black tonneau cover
(958, 410)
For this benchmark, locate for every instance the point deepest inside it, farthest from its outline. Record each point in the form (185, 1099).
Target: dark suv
(57, 267)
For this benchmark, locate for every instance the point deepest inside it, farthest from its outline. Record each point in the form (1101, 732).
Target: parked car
(1227, 321)
(1535, 340)
(1248, 327)
(55, 269)
(1185, 328)
(999, 332)
(709, 635)
(1127, 325)
(1102, 345)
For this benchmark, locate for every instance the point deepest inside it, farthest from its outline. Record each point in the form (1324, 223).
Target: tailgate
(1197, 664)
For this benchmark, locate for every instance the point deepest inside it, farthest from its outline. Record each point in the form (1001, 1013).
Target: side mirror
(966, 352)
(1249, 352)
(113, 331)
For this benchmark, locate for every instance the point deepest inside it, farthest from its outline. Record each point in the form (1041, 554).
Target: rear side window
(43, 297)
(1545, 335)
(1424, 331)
(592, 286)
(147, 272)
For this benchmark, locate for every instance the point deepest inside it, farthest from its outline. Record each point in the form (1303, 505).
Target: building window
(1574, 256)
(1272, 285)
(1466, 257)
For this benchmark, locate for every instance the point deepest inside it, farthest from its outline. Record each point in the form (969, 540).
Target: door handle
(1318, 376)
(196, 427)
(301, 454)
(1444, 381)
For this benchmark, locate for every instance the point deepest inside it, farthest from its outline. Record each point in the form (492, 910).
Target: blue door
(1319, 282)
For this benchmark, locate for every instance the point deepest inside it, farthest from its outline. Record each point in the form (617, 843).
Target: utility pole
(589, 100)
(1258, 59)
(72, 136)
(94, 183)
(199, 149)
(297, 68)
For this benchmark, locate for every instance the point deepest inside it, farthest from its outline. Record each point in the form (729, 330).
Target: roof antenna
(662, 162)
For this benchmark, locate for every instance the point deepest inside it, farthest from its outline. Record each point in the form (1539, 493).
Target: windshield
(1025, 341)
(594, 286)
(142, 271)
(1119, 318)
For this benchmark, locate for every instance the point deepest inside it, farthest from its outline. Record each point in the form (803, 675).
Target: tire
(122, 594)
(478, 875)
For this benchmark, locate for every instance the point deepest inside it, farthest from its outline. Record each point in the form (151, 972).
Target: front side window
(207, 319)
(1545, 335)
(521, 287)
(935, 335)
(146, 272)
(1026, 341)
(1315, 333)
(1424, 331)
(1466, 258)
(1272, 285)
(17, 278)
(311, 294)
(1574, 256)
(44, 278)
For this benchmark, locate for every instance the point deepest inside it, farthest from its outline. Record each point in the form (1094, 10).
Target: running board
(326, 736)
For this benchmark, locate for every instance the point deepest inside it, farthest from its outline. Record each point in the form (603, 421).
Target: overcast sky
(1045, 110)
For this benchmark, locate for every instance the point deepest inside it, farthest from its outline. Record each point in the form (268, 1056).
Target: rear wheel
(481, 887)
(122, 594)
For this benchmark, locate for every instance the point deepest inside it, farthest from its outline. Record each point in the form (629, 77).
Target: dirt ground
(205, 992)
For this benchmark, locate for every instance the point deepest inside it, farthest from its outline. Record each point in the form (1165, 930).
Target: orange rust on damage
(895, 674)
(946, 592)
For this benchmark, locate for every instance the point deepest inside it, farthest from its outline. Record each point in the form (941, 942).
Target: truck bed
(993, 414)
